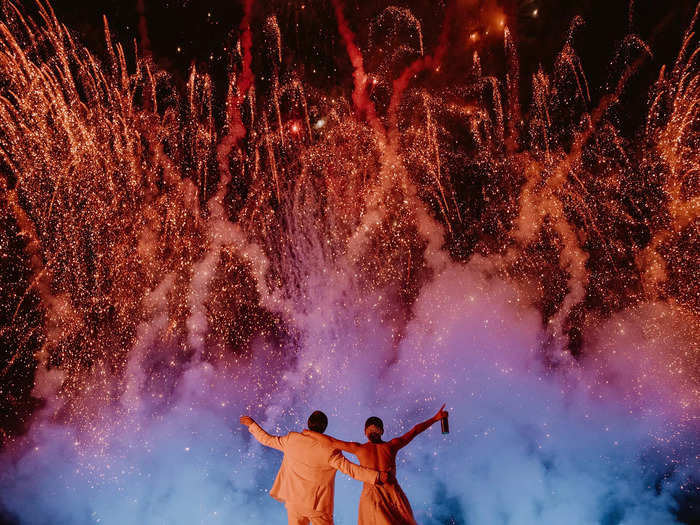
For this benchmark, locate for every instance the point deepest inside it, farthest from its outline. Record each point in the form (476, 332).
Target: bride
(382, 504)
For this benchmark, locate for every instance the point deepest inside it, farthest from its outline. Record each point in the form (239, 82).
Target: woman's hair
(375, 433)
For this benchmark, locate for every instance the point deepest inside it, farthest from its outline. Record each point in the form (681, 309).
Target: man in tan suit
(305, 482)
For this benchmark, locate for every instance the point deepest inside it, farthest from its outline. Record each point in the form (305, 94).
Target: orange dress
(382, 504)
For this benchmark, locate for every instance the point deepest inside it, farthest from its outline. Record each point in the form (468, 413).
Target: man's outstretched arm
(367, 475)
(263, 437)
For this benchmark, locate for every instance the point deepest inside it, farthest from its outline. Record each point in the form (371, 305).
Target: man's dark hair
(318, 422)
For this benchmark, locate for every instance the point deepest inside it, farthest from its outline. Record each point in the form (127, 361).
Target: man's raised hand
(246, 420)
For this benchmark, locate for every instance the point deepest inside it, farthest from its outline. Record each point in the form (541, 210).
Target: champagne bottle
(445, 425)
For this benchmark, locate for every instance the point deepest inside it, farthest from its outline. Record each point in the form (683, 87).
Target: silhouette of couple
(306, 479)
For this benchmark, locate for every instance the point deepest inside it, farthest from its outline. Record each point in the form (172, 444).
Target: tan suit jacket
(306, 478)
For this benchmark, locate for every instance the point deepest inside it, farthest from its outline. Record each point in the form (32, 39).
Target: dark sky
(200, 31)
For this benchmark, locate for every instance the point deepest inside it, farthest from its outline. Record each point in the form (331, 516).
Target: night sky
(200, 32)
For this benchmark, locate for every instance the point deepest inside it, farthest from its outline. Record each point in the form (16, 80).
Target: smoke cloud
(584, 442)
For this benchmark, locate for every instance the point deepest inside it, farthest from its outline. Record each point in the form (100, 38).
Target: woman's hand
(441, 414)
(404, 440)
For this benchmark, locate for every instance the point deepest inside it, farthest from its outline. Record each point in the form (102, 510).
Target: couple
(306, 479)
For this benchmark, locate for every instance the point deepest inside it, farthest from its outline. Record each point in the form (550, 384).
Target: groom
(306, 479)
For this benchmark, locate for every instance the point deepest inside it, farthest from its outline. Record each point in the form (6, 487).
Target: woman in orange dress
(383, 504)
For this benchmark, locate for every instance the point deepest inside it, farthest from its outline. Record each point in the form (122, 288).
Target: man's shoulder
(303, 443)
(302, 437)
(296, 438)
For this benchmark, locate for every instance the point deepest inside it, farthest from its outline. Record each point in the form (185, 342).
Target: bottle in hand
(445, 425)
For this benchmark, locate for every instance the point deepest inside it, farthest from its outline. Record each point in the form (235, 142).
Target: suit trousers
(301, 517)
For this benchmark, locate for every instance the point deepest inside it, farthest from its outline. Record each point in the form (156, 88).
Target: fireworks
(292, 247)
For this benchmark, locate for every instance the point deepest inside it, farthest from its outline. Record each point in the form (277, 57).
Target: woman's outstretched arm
(347, 446)
(402, 441)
